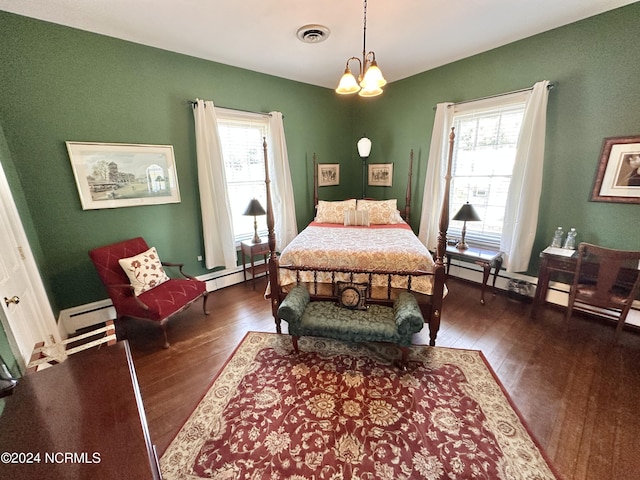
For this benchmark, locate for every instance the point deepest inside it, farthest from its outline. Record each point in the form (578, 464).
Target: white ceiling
(408, 36)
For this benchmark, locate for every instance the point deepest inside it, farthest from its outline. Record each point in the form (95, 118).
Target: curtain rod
(549, 87)
(193, 104)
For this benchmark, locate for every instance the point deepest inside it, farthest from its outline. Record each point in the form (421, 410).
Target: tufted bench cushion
(378, 323)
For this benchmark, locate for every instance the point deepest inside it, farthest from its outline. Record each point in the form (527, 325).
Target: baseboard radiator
(72, 320)
(81, 317)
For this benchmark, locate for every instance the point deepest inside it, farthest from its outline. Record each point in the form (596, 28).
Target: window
(241, 138)
(483, 160)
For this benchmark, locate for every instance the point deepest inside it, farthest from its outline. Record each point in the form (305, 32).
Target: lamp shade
(467, 214)
(364, 147)
(374, 75)
(254, 208)
(348, 83)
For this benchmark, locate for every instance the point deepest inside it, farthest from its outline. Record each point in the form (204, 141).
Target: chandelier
(370, 80)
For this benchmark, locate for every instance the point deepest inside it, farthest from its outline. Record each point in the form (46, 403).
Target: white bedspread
(379, 247)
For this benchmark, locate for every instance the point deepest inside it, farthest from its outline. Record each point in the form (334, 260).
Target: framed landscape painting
(618, 175)
(112, 175)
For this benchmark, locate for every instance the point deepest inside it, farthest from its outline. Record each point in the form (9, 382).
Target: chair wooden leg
(166, 340)
(204, 303)
(294, 339)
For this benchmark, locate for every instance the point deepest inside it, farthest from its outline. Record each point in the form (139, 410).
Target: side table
(252, 250)
(551, 264)
(483, 257)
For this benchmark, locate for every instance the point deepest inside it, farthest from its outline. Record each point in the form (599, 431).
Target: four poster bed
(363, 242)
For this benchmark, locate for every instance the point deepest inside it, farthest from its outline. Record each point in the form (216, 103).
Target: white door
(26, 313)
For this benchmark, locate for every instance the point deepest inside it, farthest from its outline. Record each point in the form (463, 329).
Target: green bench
(377, 323)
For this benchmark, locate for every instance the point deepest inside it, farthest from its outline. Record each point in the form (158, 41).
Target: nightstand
(251, 250)
(483, 257)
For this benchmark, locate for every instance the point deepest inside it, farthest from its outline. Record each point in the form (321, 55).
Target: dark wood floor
(577, 388)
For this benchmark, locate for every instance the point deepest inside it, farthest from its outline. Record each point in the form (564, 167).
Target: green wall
(59, 84)
(596, 66)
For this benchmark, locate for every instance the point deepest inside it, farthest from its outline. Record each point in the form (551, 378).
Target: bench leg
(294, 339)
(403, 360)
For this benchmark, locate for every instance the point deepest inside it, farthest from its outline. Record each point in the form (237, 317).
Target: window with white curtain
(241, 139)
(483, 160)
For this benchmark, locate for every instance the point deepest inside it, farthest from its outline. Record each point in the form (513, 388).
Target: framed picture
(381, 174)
(328, 174)
(112, 175)
(618, 175)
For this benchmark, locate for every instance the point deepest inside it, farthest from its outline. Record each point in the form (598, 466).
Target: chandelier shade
(370, 79)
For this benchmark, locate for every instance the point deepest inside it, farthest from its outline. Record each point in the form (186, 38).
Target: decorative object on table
(328, 174)
(254, 209)
(112, 175)
(344, 410)
(557, 238)
(381, 174)
(370, 80)
(618, 175)
(466, 214)
(364, 150)
(570, 242)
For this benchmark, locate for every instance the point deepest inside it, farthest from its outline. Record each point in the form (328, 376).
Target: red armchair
(160, 301)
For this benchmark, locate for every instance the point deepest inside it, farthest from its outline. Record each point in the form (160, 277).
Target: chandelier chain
(364, 35)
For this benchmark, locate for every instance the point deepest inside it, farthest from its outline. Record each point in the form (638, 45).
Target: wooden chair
(605, 279)
(157, 304)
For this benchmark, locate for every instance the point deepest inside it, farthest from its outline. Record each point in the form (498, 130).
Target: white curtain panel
(521, 212)
(284, 210)
(219, 243)
(434, 183)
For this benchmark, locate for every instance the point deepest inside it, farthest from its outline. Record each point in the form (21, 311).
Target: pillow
(359, 218)
(144, 270)
(333, 212)
(352, 295)
(381, 212)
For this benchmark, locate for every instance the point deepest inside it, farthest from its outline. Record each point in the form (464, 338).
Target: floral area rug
(344, 411)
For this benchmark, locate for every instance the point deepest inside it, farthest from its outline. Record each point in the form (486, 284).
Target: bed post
(274, 282)
(439, 272)
(407, 197)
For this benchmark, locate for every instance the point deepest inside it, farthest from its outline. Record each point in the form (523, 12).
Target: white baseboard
(73, 319)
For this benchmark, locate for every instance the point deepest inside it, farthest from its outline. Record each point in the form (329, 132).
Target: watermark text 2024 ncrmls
(50, 457)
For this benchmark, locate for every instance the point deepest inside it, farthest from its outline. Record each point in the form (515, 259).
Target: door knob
(13, 299)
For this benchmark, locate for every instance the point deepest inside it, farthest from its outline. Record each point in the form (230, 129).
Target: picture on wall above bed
(112, 175)
(328, 174)
(381, 174)
(618, 175)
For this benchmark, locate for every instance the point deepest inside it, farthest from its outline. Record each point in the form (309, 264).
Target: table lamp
(254, 209)
(465, 214)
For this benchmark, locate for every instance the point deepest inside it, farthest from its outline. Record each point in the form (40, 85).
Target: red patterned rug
(341, 411)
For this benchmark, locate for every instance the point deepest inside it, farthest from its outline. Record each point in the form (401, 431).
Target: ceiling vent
(313, 33)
